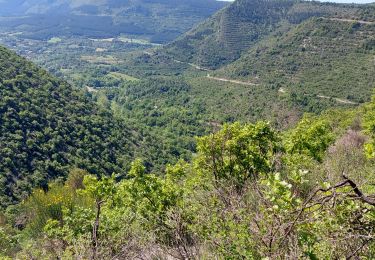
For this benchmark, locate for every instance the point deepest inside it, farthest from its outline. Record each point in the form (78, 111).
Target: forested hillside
(308, 56)
(224, 37)
(320, 57)
(47, 127)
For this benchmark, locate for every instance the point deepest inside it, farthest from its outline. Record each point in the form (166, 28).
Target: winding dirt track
(281, 90)
(340, 100)
(232, 81)
(349, 20)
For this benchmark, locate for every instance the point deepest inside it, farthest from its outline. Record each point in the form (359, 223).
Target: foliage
(310, 137)
(242, 196)
(243, 152)
(164, 108)
(369, 126)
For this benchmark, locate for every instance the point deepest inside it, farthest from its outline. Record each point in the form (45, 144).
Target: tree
(238, 153)
(311, 137)
(101, 190)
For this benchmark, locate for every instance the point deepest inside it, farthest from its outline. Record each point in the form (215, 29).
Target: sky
(338, 1)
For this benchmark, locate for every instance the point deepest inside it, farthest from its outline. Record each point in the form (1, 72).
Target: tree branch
(358, 192)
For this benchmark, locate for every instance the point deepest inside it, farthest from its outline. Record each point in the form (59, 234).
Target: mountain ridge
(222, 38)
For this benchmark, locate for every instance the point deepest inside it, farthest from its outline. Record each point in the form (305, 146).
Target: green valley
(159, 129)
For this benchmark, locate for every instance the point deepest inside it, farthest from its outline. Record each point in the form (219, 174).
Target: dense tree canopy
(46, 127)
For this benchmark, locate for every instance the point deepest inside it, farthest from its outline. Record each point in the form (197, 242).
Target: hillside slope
(47, 128)
(320, 57)
(309, 55)
(224, 37)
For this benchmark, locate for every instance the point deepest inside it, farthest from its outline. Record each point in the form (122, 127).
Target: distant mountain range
(160, 20)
